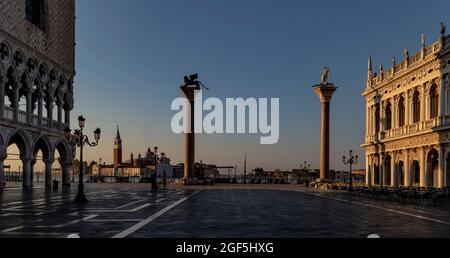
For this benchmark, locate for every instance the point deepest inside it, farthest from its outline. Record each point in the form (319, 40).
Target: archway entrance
(19, 166)
(42, 159)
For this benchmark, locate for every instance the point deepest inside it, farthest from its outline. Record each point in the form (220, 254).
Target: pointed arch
(43, 144)
(19, 138)
(64, 151)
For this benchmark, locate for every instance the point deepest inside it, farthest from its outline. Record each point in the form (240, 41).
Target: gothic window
(416, 107)
(401, 112)
(36, 13)
(388, 117)
(377, 118)
(434, 101)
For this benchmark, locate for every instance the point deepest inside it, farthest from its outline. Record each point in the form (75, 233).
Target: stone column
(49, 107)
(423, 104)
(394, 172)
(382, 117)
(441, 101)
(325, 93)
(16, 103)
(407, 109)
(407, 168)
(67, 117)
(368, 171)
(26, 173)
(441, 180)
(2, 99)
(2, 173)
(59, 104)
(380, 174)
(29, 106)
(48, 173)
(423, 168)
(33, 162)
(189, 137)
(40, 108)
(66, 171)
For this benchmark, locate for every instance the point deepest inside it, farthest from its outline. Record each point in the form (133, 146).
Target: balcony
(22, 119)
(408, 130)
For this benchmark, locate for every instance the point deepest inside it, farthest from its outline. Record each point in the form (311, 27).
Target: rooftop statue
(443, 29)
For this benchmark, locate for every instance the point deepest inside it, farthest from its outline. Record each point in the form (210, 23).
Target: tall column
(67, 117)
(2, 99)
(26, 173)
(49, 107)
(442, 91)
(380, 174)
(423, 168)
(407, 109)
(325, 92)
(40, 108)
(29, 106)
(368, 171)
(16, 103)
(66, 171)
(441, 180)
(423, 104)
(394, 172)
(33, 162)
(2, 173)
(407, 168)
(48, 173)
(189, 137)
(59, 104)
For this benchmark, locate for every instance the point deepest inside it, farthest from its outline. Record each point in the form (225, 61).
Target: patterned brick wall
(57, 44)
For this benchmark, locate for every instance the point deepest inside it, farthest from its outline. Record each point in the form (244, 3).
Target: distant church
(140, 167)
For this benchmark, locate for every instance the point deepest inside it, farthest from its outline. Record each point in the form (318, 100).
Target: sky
(131, 57)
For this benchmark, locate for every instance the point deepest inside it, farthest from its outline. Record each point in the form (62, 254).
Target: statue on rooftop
(443, 30)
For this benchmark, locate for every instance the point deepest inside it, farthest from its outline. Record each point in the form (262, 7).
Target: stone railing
(408, 129)
(22, 118)
(432, 49)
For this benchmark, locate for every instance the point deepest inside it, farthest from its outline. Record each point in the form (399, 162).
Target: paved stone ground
(132, 210)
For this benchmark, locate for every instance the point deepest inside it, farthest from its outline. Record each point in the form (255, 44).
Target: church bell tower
(117, 149)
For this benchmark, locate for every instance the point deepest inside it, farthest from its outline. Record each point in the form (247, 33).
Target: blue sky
(132, 55)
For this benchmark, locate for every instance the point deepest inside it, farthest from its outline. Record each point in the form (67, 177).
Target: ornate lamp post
(350, 161)
(79, 139)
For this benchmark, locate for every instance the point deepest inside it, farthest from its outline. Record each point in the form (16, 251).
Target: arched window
(36, 13)
(434, 101)
(416, 107)
(377, 118)
(401, 112)
(388, 116)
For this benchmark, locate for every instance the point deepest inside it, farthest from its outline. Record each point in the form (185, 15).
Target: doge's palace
(37, 57)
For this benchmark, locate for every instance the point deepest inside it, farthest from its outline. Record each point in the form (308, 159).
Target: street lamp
(79, 139)
(350, 161)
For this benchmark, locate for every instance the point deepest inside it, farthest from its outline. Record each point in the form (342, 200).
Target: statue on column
(406, 51)
(325, 75)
